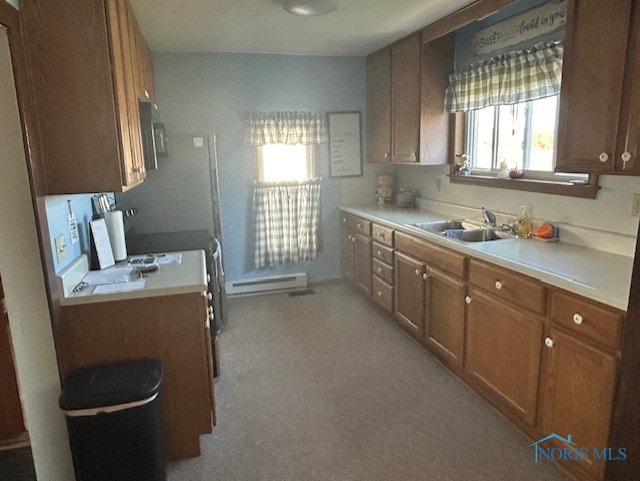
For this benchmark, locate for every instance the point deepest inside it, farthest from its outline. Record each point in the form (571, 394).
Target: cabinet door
(379, 106)
(348, 258)
(405, 100)
(363, 263)
(502, 355)
(410, 295)
(578, 393)
(444, 326)
(592, 77)
(629, 137)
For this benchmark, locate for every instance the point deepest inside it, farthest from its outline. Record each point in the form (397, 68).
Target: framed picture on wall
(345, 144)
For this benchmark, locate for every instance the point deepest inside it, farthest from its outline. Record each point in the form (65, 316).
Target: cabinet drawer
(587, 319)
(383, 253)
(511, 286)
(382, 235)
(356, 223)
(435, 256)
(383, 293)
(383, 271)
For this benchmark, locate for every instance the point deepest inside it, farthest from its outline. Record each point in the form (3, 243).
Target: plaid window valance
(287, 128)
(510, 78)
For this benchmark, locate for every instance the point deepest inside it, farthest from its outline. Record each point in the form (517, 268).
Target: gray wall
(215, 92)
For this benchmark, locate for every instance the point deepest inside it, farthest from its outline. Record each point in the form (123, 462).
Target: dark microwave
(154, 139)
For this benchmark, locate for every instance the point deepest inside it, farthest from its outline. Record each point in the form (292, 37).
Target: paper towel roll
(115, 228)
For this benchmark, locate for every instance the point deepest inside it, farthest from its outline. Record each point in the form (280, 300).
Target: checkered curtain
(287, 128)
(507, 79)
(287, 222)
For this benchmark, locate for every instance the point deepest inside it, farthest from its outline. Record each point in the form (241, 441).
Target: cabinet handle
(379, 294)
(417, 272)
(603, 157)
(208, 278)
(467, 299)
(549, 342)
(146, 94)
(498, 285)
(424, 276)
(577, 318)
(381, 235)
(626, 157)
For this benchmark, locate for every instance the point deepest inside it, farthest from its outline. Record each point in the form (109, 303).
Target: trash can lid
(111, 384)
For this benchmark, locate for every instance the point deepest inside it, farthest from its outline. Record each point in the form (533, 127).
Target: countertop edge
(596, 294)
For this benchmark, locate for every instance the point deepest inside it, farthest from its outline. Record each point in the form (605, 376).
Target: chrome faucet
(488, 216)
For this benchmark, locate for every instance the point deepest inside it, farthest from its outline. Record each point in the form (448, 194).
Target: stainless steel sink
(464, 231)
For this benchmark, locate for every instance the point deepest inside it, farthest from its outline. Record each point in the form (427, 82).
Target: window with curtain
(511, 109)
(286, 197)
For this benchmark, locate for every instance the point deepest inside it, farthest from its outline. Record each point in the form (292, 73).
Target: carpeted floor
(17, 465)
(324, 387)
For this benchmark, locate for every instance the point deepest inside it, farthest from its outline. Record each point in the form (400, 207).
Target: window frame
(313, 164)
(530, 182)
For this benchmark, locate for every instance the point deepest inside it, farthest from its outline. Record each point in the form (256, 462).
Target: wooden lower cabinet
(410, 293)
(362, 277)
(503, 352)
(171, 329)
(577, 395)
(348, 254)
(444, 323)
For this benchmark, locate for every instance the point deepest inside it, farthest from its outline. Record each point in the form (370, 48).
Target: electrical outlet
(635, 205)
(61, 248)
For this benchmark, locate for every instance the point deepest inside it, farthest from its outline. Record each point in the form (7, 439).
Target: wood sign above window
(533, 23)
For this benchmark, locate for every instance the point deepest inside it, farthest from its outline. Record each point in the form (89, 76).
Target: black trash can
(114, 421)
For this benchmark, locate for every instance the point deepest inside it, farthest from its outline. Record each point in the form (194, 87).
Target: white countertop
(190, 275)
(595, 274)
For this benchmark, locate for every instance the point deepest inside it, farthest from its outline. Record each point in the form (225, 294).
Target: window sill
(587, 191)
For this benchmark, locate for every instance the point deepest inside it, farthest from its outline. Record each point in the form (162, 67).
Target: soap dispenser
(525, 222)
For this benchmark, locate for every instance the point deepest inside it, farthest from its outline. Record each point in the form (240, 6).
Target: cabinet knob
(386, 155)
(577, 318)
(626, 157)
(498, 285)
(549, 342)
(353, 239)
(424, 276)
(604, 157)
(379, 252)
(146, 94)
(379, 269)
(359, 226)
(417, 272)
(208, 278)
(344, 220)
(209, 296)
(467, 299)
(379, 294)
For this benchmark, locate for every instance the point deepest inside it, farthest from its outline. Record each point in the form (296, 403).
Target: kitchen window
(506, 120)
(286, 163)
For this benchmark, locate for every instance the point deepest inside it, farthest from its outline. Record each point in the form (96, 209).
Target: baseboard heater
(267, 284)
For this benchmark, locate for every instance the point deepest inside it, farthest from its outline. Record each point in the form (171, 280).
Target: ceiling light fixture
(309, 8)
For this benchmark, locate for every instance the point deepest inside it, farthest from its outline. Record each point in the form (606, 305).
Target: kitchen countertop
(598, 275)
(188, 276)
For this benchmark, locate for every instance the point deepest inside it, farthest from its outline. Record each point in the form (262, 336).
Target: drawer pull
(549, 342)
(344, 220)
(379, 293)
(209, 296)
(467, 299)
(577, 318)
(379, 253)
(498, 285)
(359, 226)
(417, 272)
(603, 157)
(424, 276)
(381, 235)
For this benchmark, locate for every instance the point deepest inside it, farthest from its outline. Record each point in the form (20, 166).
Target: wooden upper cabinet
(379, 106)
(405, 100)
(436, 64)
(593, 74)
(84, 63)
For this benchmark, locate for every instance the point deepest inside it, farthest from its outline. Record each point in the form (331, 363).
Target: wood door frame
(10, 19)
(12, 404)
